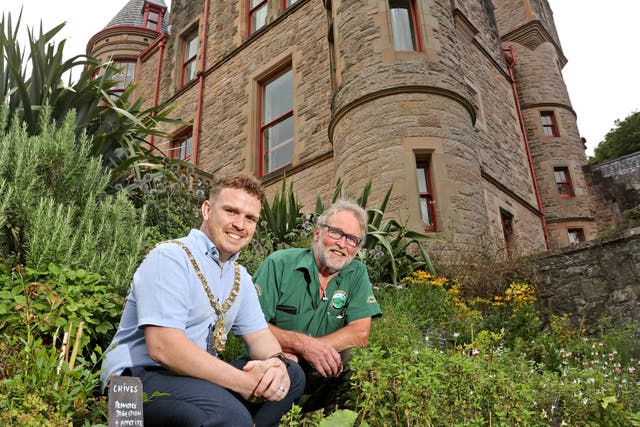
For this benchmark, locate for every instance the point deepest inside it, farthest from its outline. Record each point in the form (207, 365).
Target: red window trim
(264, 126)
(151, 8)
(251, 12)
(553, 125)
(567, 181)
(187, 61)
(416, 27)
(285, 5)
(428, 195)
(176, 144)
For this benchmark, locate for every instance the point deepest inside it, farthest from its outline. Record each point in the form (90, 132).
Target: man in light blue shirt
(185, 298)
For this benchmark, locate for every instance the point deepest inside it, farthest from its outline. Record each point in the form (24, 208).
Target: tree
(622, 140)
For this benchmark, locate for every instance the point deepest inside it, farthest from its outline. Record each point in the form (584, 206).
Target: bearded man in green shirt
(319, 302)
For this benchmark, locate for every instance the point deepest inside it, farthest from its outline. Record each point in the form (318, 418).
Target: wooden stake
(76, 344)
(64, 350)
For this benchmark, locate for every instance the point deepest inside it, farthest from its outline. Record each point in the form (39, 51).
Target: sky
(599, 41)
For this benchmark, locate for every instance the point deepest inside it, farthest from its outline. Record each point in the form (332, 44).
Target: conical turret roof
(132, 15)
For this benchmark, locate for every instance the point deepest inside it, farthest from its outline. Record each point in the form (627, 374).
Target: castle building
(459, 104)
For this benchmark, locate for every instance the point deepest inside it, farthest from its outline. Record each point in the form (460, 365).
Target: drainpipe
(198, 119)
(511, 61)
(156, 89)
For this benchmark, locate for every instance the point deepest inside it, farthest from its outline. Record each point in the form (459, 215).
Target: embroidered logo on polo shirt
(371, 299)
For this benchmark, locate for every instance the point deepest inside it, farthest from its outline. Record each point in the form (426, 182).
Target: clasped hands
(271, 377)
(322, 356)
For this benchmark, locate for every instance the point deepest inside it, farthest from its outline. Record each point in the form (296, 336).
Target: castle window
(189, 55)
(575, 235)
(152, 17)
(257, 15)
(425, 193)
(182, 147)
(549, 126)
(288, 3)
(507, 230)
(125, 76)
(276, 122)
(404, 28)
(563, 181)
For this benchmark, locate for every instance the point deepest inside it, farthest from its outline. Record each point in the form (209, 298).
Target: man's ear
(205, 209)
(316, 234)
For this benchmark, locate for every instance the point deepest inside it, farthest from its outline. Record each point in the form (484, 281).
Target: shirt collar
(207, 247)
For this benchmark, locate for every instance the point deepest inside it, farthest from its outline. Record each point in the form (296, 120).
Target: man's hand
(274, 379)
(322, 356)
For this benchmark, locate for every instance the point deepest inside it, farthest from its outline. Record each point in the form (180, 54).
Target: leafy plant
(45, 303)
(171, 200)
(118, 125)
(282, 218)
(54, 206)
(44, 390)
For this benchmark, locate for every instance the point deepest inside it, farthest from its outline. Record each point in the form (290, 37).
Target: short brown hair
(244, 182)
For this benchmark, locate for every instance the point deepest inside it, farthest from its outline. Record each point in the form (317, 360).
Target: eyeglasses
(336, 234)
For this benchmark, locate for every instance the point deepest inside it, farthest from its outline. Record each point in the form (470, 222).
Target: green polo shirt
(289, 293)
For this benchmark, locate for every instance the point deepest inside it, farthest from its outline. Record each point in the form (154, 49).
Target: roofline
(120, 29)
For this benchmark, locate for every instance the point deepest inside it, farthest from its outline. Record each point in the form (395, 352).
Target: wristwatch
(282, 358)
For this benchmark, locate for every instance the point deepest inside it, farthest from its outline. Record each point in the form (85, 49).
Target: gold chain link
(219, 334)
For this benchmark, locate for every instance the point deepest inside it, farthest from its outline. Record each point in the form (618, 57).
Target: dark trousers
(190, 402)
(325, 393)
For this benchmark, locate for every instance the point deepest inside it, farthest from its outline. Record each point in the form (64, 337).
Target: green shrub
(171, 198)
(42, 391)
(55, 209)
(45, 303)
(431, 388)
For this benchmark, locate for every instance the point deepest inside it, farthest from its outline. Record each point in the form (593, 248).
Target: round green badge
(339, 299)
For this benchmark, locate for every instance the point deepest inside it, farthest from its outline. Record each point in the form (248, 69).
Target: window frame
(186, 40)
(579, 232)
(414, 25)
(122, 83)
(264, 127)
(148, 9)
(182, 140)
(425, 165)
(566, 182)
(251, 11)
(288, 3)
(508, 231)
(551, 127)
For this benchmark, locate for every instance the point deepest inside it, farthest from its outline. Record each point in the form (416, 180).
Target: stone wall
(595, 279)
(625, 170)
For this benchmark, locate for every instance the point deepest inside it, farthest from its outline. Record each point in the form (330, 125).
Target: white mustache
(338, 249)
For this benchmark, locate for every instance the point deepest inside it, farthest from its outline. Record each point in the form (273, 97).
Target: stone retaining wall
(595, 279)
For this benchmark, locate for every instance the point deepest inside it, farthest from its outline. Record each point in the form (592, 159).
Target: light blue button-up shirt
(167, 292)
